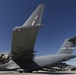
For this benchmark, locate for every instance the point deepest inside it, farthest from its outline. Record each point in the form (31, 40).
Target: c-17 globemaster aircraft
(22, 55)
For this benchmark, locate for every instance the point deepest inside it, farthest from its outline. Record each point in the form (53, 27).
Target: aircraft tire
(28, 71)
(20, 71)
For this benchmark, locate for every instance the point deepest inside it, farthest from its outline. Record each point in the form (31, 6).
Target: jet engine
(4, 58)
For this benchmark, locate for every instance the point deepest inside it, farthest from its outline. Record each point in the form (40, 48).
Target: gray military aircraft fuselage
(22, 56)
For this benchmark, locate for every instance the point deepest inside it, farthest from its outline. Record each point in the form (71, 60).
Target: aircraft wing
(24, 36)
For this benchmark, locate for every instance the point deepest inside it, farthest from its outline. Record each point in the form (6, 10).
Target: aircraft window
(33, 23)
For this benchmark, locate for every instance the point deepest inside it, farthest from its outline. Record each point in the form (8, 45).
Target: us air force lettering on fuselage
(22, 56)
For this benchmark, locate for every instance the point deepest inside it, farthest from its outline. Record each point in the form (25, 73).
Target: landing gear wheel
(28, 71)
(20, 71)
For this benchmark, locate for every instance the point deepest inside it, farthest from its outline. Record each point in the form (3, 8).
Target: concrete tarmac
(39, 73)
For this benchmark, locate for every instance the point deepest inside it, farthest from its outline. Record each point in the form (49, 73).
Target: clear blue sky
(59, 18)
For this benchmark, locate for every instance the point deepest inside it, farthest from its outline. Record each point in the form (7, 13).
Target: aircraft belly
(45, 61)
(52, 59)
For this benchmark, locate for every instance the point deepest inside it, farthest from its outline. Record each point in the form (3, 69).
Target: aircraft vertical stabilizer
(68, 46)
(36, 16)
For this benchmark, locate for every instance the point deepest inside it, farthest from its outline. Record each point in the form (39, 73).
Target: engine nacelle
(4, 58)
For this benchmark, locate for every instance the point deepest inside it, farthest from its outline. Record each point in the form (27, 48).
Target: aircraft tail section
(36, 16)
(24, 37)
(68, 46)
